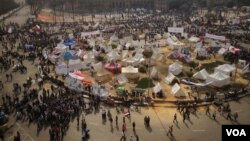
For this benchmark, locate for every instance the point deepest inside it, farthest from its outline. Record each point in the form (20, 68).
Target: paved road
(200, 127)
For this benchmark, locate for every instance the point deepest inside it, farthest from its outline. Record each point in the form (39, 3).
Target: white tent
(222, 51)
(177, 91)
(193, 39)
(202, 74)
(89, 57)
(157, 88)
(176, 45)
(76, 65)
(218, 79)
(175, 68)
(122, 79)
(157, 36)
(169, 79)
(98, 66)
(226, 69)
(113, 55)
(129, 69)
(124, 53)
(114, 38)
(154, 73)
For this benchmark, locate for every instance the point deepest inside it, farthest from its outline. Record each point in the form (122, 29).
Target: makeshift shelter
(226, 69)
(170, 78)
(202, 74)
(154, 74)
(113, 67)
(177, 91)
(158, 36)
(97, 66)
(175, 68)
(102, 76)
(89, 57)
(121, 79)
(218, 79)
(114, 38)
(69, 42)
(157, 89)
(113, 55)
(77, 80)
(100, 91)
(129, 70)
(193, 39)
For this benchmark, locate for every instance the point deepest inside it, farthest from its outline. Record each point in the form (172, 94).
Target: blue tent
(69, 42)
(68, 55)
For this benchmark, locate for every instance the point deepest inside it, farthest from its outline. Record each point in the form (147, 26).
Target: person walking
(133, 124)
(229, 116)
(175, 118)
(170, 130)
(214, 115)
(235, 116)
(208, 111)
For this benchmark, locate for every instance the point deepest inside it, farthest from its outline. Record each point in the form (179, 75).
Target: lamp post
(147, 53)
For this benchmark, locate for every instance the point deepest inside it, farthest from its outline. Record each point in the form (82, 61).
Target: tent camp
(226, 69)
(177, 91)
(170, 78)
(202, 74)
(218, 79)
(175, 68)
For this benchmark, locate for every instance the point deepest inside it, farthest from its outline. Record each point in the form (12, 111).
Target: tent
(129, 69)
(177, 91)
(97, 66)
(100, 91)
(114, 38)
(170, 78)
(69, 42)
(89, 57)
(202, 74)
(226, 69)
(193, 39)
(157, 88)
(154, 73)
(77, 80)
(121, 79)
(175, 68)
(113, 55)
(158, 36)
(102, 75)
(218, 79)
(73, 65)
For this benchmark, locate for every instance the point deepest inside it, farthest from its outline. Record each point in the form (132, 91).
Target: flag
(246, 68)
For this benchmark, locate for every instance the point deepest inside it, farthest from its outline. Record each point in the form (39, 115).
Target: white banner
(176, 30)
(216, 37)
(83, 34)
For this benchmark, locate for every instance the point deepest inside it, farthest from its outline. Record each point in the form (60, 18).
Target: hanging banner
(216, 37)
(176, 30)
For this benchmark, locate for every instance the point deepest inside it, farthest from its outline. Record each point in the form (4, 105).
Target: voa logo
(236, 132)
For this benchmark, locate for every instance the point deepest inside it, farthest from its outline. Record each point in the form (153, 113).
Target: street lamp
(147, 53)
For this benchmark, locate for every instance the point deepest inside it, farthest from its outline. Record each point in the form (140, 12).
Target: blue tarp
(68, 55)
